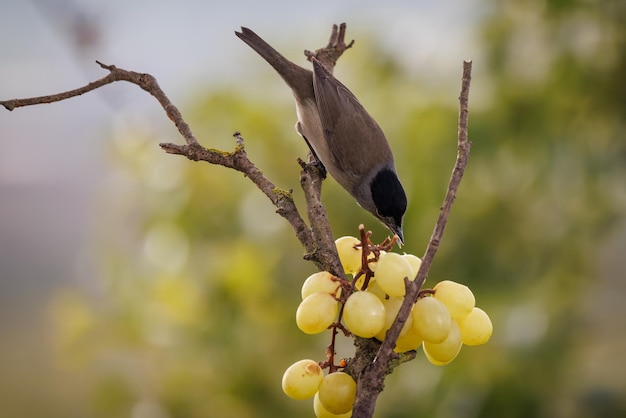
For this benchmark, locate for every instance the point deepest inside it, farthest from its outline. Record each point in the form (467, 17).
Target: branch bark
(371, 377)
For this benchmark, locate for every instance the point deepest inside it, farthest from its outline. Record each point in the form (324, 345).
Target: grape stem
(367, 248)
(349, 286)
(330, 350)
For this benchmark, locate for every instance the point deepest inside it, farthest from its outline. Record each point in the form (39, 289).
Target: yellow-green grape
(337, 393)
(476, 328)
(321, 412)
(414, 261)
(391, 270)
(374, 289)
(322, 281)
(431, 319)
(392, 306)
(457, 297)
(359, 282)
(316, 313)
(446, 351)
(409, 341)
(364, 314)
(302, 379)
(349, 256)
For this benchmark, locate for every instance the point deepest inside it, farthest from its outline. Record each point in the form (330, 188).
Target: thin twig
(237, 159)
(31, 101)
(146, 81)
(371, 379)
(317, 239)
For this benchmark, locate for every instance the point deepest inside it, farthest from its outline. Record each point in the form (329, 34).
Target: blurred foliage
(201, 277)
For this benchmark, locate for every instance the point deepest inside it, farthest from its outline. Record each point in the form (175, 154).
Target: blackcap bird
(341, 135)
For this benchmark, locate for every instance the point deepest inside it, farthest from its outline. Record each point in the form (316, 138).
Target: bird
(341, 135)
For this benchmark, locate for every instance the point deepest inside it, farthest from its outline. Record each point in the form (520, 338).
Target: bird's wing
(355, 140)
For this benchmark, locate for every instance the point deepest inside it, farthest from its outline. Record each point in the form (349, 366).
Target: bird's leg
(318, 163)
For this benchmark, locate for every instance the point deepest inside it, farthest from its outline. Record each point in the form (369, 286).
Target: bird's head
(384, 197)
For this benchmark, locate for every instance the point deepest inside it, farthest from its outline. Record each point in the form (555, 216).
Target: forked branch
(373, 360)
(370, 379)
(317, 238)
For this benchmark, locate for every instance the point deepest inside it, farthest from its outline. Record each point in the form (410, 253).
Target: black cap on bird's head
(389, 199)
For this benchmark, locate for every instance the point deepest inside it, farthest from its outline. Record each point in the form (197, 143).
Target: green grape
(457, 297)
(364, 314)
(372, 287)
(375, 290)
(321, 412)
(358, 284)
(337, 393)
(409, 341)
(322, 281)
(446, 351)
(414, 261)
(392, 306)
(302, 379)
(349, 256)
(391, 270)
(431, 319)
(316, 313)
(476, 328)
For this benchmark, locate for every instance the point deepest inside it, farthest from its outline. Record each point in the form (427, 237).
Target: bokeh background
(139, 284)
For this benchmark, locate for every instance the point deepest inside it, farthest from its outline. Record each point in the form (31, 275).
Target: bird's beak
(400, 236)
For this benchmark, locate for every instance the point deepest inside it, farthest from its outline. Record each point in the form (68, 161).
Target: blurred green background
(181, 286)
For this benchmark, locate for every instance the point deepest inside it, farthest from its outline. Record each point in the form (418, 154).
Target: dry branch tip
(111, 68)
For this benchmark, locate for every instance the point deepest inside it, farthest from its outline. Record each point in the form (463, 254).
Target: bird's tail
(293, 74)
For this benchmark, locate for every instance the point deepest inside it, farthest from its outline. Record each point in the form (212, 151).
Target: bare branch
(329, 55)
(15, 103)
(371, 378)
(238, 160)
(317, 240)
(146, 81)
(325, 253)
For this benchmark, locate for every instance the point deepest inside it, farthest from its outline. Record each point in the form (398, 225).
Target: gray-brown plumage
(341, 134)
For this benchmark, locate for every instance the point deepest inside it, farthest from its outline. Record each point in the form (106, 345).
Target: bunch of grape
(441, 320)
